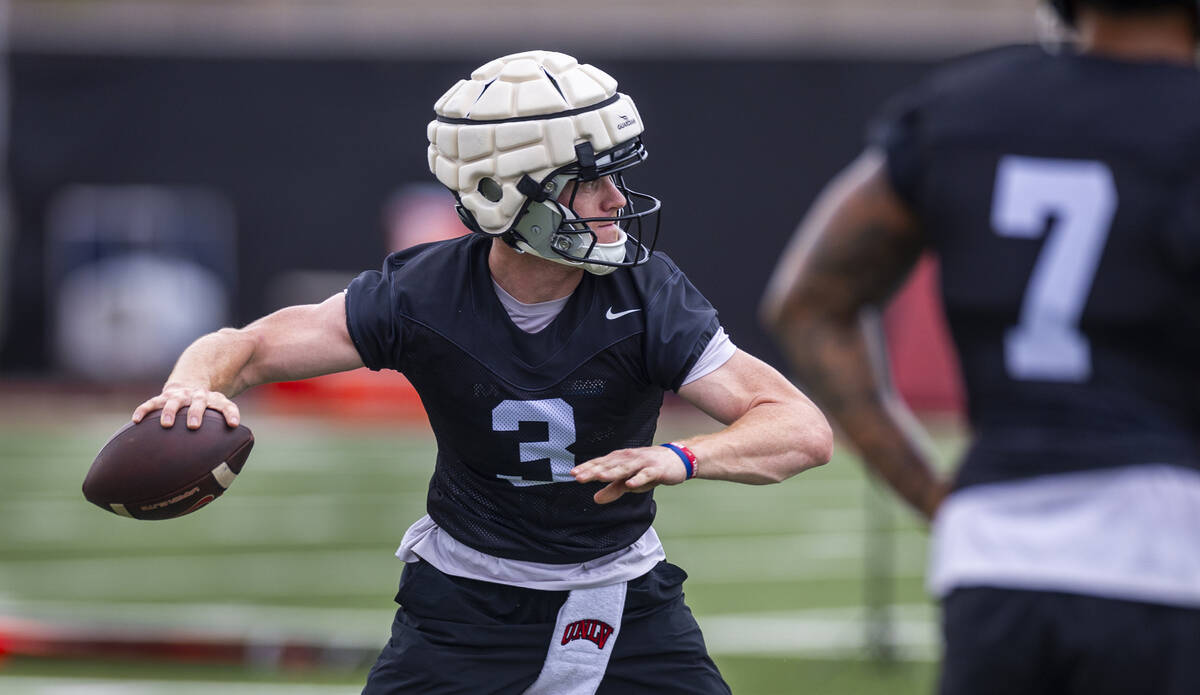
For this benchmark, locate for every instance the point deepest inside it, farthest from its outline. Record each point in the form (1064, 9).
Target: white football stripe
(839, 631)
(224, 475)
(120, 509)
(820, 632)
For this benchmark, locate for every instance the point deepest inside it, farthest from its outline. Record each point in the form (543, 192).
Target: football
(147, 472)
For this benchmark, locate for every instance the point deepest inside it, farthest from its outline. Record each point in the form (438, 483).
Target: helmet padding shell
(520, 116)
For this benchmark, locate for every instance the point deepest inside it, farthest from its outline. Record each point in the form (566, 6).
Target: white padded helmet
(507, 141)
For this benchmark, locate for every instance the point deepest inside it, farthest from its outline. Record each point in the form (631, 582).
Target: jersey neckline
(533, 349)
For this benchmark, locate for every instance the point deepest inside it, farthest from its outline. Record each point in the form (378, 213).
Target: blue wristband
(687, 460)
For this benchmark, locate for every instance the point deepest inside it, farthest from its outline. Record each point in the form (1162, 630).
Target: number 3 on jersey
(559, 417)
(1081, 198)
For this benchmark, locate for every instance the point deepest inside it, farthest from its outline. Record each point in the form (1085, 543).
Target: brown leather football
(147, 472)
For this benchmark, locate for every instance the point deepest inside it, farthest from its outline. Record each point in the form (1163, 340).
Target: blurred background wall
(175, 166)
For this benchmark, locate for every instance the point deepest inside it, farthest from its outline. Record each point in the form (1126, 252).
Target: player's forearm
(296, 342)
(771, 442)
(218, 362)
(840, 365)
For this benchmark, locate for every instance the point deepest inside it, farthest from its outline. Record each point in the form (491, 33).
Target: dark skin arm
(852, 251)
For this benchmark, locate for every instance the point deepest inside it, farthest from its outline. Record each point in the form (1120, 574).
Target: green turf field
(301, 549)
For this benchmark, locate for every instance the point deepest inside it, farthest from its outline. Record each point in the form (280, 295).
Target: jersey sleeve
(372, 319)
(680, 322)
(718, 351)
(897, 132)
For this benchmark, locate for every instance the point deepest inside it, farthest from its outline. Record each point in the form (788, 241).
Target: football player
(1061, 192)
(541, 347)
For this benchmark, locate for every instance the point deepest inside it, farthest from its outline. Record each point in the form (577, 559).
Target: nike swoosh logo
(610, 315)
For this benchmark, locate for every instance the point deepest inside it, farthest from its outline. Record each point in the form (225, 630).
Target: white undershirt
(530, 318)
(425, 540)
(1129, 533)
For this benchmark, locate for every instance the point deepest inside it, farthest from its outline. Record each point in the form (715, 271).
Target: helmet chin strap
(537, 233)
(611, 252)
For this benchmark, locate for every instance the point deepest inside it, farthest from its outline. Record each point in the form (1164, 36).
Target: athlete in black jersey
(541, 347)
(1061, 194)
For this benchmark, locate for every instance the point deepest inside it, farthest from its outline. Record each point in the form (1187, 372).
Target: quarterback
(541, 346)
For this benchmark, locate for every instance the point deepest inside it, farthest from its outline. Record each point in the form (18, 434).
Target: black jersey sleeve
(679, 324)
(372, 317)
(896, 131)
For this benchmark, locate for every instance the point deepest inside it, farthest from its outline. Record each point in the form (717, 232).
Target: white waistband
(424, 540)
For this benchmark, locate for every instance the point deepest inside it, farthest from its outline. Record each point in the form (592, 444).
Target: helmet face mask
(628, 220)
(511, 140)
(552, 226)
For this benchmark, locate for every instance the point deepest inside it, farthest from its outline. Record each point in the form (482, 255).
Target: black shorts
(1007, 641)
(454, 635)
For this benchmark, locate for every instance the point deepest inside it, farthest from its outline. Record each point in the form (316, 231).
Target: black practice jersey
(1062, 195)
(513, 412)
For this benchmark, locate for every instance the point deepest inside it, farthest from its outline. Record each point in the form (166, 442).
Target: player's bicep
(299, 342)
(853, 249)
(740, 384)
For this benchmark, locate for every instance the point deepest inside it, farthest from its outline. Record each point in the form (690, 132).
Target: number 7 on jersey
(1081, 199)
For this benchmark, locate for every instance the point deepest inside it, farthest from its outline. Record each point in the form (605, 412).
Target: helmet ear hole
(490, 189)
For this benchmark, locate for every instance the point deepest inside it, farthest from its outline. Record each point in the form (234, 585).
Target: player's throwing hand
(176, 396)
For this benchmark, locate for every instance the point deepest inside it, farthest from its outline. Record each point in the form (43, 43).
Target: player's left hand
(631, 470)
